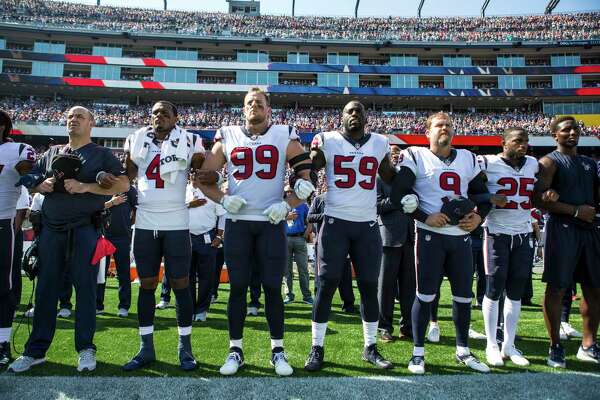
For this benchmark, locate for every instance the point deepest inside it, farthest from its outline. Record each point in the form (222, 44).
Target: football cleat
(371, 355)
(4, 353)
(24, 363)
(472, 362)
(416, 365)
(493, 356)
(315, 359)
(590, 354)
(515, 356)
(162, 305)
(234, 361)
(280, 362)
(434, 333)
(64, 313)
(86, 360)
(556, 357)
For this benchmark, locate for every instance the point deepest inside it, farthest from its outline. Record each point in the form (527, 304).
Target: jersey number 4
(524, 187)
(153, 172)
(367, 167)
(243, 159)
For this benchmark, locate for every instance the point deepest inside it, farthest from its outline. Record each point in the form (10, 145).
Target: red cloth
(103, 248)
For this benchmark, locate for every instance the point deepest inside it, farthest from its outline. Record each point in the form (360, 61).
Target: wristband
(576, 212)
(98, 175)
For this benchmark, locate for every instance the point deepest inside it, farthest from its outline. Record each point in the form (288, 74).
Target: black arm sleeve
(477, 191)
(402, 185)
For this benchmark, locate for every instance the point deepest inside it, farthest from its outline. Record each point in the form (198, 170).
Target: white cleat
(416, 365)
(434, 333)
(472, 362)
(253, 311)
(515, 356)
(29, 313)
(280, 362)
(569, 331)
(87, 360)
(493, 356)
(162, 305)
(233, 362)
(64, 313)
(200, 317)
(473, 334)
(123, 313)
(24, 363)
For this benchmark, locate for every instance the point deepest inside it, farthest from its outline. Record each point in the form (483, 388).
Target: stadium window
(2, 44)
(49, 47)
(297, 58)
(252, 56)
(512, 82)
(107, 51)
(342, 58)
(566, 81)
(456, 61)
(404, 60)
(510, 61)
(111, 72)
(458, 82)
(43, 68)
(405, 81)
(565, 60)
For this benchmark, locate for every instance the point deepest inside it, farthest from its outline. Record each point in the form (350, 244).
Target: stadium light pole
(165, 4)
(356, 9)
(97, 2)
(485, 4)
(293, 7)
(420, 8)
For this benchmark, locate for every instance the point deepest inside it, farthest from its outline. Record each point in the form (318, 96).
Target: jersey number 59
(367, 166)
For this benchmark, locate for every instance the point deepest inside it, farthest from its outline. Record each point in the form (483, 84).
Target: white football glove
(277, 212)
(232, 203)
(410, 202)
(303, 188)
(317, 142)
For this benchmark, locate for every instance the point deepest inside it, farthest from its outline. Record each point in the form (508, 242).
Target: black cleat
(556, 356)
(370, 354)
(315, 359)
(4, 353)
(187, 362)
(143, 358)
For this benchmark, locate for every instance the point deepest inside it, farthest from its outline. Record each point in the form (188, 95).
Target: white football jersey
(517, 185)
(161, 204)
(10, 155)
(438, 181)
(256, 167)
(204, 218)
(351, 172)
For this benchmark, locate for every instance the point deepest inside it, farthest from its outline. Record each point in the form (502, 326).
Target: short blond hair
(440, 115)
(258, 90)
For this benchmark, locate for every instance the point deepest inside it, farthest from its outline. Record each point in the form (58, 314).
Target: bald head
(80, 121)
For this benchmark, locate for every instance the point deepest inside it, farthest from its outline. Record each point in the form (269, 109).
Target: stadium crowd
(213, 116)
(531, 27)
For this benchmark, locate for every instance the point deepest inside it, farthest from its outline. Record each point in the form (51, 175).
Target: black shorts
(361, 240)
(507, 262)
(571, 254)
(149, 248)
(7, 242)
(257, 243)
(437, 255)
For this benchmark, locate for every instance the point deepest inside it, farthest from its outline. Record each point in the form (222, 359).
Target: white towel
(142, 139)
(174, 154)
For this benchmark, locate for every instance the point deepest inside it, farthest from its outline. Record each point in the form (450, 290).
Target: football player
(256, 155)
(352, 158)
(162, 223)
(508, 241)
(442, 174)
(572, 243)
(16, 159)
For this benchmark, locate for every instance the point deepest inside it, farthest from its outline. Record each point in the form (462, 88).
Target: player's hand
(308, 236)
(499, 200)
(469, 222)
(292, 215)
(119, 199)
(46, 186)
(277, 212)
(205, 177)
(550, 195)
(303, 188)
(197, 203)
(410, 202)
(106, 180)
(437, 220)
(216, 242)
(232, 204)
(586, 213)
(73, 186)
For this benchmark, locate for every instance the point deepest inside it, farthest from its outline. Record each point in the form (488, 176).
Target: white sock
(146, 330)
(462, 351)
(419, 351)
(5, 334)
(370, 332)
(489, 308)
(235, 343)
(318, 333)
(512, 311)
(184, 330)
(276, 343)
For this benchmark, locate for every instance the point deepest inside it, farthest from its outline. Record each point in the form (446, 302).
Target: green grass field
(117, 341)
